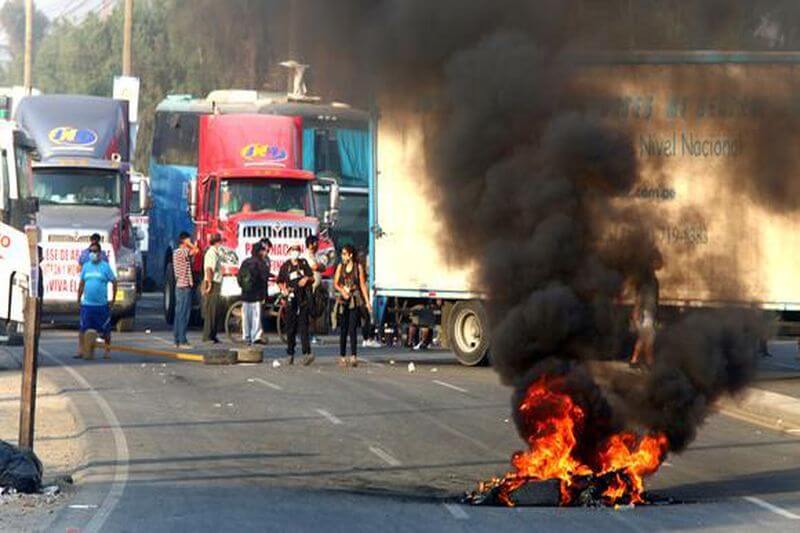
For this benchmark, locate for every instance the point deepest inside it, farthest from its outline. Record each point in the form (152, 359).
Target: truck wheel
(169, 294)
(125, 324)
(468, 332)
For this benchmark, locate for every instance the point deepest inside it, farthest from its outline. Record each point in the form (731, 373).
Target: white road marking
(330, 417)
(456, 510)
(120, 444)
(267, 383)
(82, 506)
(449, 386)
(771, 508)
(391, 461)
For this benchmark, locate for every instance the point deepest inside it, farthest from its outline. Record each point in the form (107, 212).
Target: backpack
(245, 277)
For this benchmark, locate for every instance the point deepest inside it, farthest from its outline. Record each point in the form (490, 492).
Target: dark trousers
(211, 304)
(348, 327)
(297, 322)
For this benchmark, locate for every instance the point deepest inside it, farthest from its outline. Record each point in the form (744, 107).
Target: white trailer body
(408, 261)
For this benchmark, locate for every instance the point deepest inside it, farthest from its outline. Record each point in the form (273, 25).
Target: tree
(12, 20)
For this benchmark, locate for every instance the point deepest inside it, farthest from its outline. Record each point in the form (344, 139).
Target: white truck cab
(17, 207)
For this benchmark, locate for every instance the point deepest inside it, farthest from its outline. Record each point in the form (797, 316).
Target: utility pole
(26, 77)
(126, 38)
(30, 363)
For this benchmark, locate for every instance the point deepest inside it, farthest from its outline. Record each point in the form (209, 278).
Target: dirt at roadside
(58, 444)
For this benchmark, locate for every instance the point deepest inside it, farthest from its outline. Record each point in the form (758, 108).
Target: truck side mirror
(330, 216)
(144, 196)
(191, 198)
(30, 205)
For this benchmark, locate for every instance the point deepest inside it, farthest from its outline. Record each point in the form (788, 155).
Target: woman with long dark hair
(349, 281)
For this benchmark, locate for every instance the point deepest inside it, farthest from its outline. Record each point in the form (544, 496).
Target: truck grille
(277, 232)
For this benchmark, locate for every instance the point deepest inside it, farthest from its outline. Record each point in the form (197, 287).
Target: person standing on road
(84, 257)
(212, 283)
(182, 267)
(95, 310)
(644, 315)
(349, 282)
(253, 278)
(295, 279)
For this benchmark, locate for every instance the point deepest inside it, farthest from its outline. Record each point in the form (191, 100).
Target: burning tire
(468, 331)
(169, 294)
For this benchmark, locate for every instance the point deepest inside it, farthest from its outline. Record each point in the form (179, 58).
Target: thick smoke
(528, 187)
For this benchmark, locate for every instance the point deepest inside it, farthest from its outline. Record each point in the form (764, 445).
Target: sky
(56, 8)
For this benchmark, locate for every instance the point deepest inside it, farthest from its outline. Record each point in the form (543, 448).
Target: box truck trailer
(698, 122)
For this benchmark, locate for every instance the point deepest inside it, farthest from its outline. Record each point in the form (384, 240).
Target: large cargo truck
(82, 182)
(336, 144)
(701, 124)
(250, 185)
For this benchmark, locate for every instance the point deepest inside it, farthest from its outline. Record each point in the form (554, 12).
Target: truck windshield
(265, 195)
(77, 187)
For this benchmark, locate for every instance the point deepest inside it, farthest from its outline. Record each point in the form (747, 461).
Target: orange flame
(555, 423)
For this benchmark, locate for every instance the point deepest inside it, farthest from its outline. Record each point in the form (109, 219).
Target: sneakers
(308, 359)
(371, 343)
(419, 347)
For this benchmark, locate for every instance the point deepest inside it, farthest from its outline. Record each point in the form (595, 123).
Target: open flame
(555, 425)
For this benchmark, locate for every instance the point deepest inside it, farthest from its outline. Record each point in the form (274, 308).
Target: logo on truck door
(67, 136)
(264, 154)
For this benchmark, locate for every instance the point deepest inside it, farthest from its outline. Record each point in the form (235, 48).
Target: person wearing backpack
(253, 278)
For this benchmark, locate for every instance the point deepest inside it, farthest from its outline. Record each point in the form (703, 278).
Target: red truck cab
(250, 185)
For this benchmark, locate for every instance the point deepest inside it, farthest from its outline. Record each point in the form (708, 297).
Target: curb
(777, 411)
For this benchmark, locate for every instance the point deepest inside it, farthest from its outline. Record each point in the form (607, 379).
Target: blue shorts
(96, 317)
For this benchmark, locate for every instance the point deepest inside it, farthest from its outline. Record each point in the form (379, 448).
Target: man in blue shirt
(96, 274)
(84, 257)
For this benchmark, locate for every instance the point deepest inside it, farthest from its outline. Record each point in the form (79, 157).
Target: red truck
(250, 185)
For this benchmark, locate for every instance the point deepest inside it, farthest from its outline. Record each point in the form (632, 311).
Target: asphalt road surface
(176, 446)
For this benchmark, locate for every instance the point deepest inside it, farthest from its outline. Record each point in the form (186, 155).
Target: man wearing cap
(85, 254)
(295, 280)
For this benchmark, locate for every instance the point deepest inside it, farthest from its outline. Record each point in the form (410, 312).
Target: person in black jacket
(253, 278)
(295, 280)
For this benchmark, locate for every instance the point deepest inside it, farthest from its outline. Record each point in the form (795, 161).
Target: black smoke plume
(528, 186)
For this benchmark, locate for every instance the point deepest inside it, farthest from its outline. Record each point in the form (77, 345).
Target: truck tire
(169, 294)
(468, 333)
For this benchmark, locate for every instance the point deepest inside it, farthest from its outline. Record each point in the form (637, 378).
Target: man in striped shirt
(182, 266)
